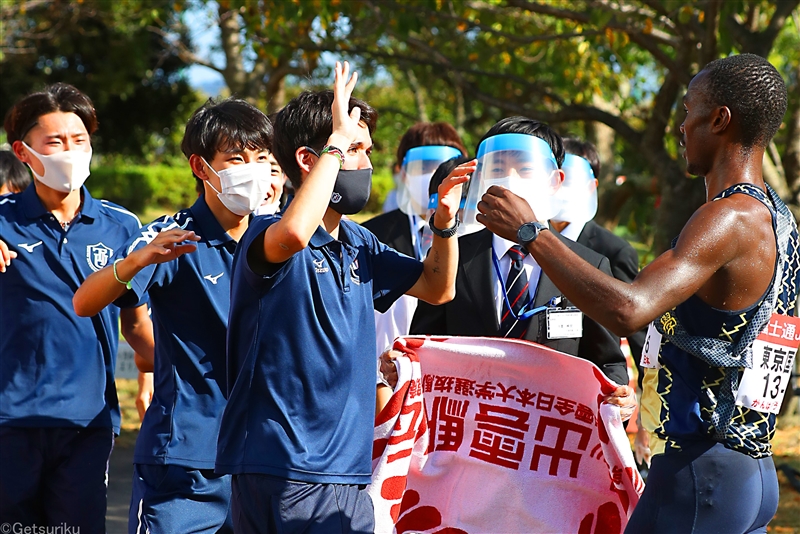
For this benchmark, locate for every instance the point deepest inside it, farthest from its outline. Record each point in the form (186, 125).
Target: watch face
(527, 232)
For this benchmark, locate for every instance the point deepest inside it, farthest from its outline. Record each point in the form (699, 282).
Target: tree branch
(179, 48)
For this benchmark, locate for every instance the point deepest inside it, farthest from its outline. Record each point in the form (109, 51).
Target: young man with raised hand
(58, 402)
(732, 269)
(184, 262)
(297, 431)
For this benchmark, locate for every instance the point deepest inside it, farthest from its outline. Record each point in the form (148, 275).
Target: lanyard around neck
(525, 312)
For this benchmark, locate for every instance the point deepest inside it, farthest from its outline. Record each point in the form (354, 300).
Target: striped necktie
(516, 288)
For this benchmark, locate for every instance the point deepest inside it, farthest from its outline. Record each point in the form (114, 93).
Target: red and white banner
(498, 435)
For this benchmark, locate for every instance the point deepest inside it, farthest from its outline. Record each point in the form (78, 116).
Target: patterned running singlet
(680, 398)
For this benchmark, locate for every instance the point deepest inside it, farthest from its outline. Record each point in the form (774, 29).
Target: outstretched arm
(621, 307)
(102, 288)
(437, 283)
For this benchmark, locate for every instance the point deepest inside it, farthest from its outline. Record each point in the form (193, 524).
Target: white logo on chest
(353, 274)
(319, 266)
(97, 256)
(28, 247)
(213, 279)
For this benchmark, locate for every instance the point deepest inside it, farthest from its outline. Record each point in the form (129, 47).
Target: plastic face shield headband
(522, 163)
(577, 197)
(419, 165)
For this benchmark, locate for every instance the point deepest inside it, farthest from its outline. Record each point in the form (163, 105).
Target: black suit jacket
(392, 228)
(624, 266)
(472, 312)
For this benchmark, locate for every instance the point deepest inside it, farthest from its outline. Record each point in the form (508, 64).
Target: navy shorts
(55, 476)
(267, 504)
(706, 488)
(170, 498)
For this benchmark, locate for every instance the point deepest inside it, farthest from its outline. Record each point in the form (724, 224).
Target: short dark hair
(13, 172)
(229, 124)
(429, 134)
(524, 125)
(24, 115)
(307, 120)
(441, 172)
(584, 149)
(753, 90)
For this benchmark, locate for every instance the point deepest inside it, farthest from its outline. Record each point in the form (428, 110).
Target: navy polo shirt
(57, 369)
(301, 356)
(189, 298)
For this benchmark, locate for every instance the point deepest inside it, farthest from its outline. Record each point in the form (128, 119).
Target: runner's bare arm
(709, 241)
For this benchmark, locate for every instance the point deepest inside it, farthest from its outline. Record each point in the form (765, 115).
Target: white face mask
(417, 185)
(243, 186)
(63, 171)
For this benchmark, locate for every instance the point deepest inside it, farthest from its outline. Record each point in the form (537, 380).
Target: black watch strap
(449, 232)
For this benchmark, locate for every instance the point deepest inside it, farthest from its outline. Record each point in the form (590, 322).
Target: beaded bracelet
(329, 149)
(126, 284)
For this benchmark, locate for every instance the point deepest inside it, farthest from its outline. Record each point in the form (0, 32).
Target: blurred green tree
(104, 48)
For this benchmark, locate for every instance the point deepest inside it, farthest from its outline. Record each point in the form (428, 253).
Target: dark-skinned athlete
(733, 265)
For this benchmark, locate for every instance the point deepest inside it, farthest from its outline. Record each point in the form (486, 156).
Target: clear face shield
(418, 166)
(521, 163)
(577, 197)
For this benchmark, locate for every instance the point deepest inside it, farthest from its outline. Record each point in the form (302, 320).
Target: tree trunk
(680, 197)
(460, 114)
(276, 93)
(419, 95)
(230, 40)
(791, 153)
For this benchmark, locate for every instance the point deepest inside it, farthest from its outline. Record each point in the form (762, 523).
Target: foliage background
(610, 72)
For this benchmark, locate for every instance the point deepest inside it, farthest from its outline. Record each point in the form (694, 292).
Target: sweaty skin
(725, 254)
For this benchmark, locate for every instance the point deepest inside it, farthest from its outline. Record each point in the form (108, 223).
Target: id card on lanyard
(762, 388)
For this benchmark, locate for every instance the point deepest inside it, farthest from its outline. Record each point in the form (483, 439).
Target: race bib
(652, 345)
(564, 323)
(762, 388)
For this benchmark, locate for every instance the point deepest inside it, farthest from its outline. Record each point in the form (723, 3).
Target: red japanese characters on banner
(480, 427)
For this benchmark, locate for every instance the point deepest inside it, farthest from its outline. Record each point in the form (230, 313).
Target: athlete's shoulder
(119, 213)
(362, 234)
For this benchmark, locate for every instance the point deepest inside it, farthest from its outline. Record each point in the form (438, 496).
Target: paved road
(119, 489)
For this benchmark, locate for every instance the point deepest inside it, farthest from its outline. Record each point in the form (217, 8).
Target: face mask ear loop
(215, 174)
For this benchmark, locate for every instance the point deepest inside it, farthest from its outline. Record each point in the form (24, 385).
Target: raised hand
(6, 256)
(450, 192)
(167, 246)
(503, 212)
(345, 125)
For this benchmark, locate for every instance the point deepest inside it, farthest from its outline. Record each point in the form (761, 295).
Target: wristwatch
(448, 232)
(528, 232)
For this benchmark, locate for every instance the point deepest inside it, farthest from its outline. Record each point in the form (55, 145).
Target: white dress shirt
(572, 231)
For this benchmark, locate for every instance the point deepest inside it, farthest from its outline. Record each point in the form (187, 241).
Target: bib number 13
(762, 388)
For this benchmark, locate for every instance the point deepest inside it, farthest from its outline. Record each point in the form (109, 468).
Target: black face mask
(351, 191)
